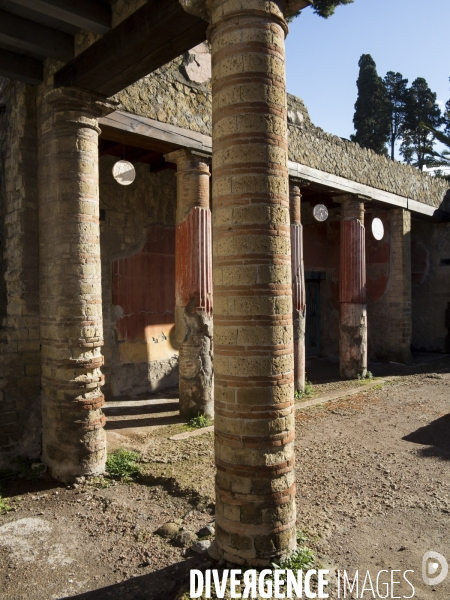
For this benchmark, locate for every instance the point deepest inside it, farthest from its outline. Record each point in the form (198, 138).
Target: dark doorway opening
(312, 340)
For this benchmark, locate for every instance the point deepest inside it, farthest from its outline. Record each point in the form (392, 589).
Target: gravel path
(373, 487)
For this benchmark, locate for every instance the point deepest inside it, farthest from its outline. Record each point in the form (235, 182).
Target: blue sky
(409, 36)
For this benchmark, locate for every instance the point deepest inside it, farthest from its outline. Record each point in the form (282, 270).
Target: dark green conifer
(371, 118)
(422, 116)
(325, 8)
(397, 93)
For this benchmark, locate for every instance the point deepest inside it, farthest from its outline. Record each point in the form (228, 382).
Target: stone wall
(313, 147)
(138, 279)
(430, 283)
(19, 274)
(178, 93)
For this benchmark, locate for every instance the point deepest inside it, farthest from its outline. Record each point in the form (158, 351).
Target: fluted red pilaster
(298, 287)
(193, 286)
(352, 291)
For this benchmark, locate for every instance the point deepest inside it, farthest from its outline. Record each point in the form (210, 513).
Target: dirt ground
(373, 486)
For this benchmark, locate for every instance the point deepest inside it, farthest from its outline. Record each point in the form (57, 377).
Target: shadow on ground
(164, 583)
(326, 369)
(150, 422)
(436, 436)
(131, 409)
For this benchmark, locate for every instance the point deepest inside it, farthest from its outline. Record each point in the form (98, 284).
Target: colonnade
(253, 269)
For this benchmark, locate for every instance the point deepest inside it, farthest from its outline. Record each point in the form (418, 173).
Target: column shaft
(193, 287)
(73, 438)
(352, 291)
(253, 362)
(298, 287)
(399, 333)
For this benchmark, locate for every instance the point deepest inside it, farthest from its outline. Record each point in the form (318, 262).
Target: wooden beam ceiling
(24, 68)
(93, 15)
(25, 35)
(33, 30)
(152, 36)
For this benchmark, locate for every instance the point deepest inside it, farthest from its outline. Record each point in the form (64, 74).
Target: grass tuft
(199, 421)
(4, 505)
(309, 391)
(122, 465)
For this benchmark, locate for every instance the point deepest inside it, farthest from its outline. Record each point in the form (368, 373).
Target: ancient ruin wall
(179, 93)
(313, 147)
(19, 271)
(138, 279)
(170, 95)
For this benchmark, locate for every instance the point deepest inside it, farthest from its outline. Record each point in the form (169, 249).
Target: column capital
(352, 197)
(177, 156)
(352, 205)
(203, 8)
(76, 99)
(298, 182)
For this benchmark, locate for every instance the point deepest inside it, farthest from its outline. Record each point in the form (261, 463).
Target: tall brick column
(253, 359)
(399, 332)
(193, 287)
(70, 287)
(352, 290)
(298, 285)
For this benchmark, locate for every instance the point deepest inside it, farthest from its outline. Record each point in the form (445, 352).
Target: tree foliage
(324, 8)
(397, 93)
(442, 159)
(371, 118)
(423, 116)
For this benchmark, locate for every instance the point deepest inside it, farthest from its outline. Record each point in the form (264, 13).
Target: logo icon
(434, 568)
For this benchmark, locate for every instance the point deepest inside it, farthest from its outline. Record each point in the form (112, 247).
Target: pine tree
(442, 159)
(324, 8)
(397, 92)
(371, 119)
(422, 116)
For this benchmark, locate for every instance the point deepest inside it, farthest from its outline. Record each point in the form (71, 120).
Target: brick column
(73, 438)
(352, 290)
(193, 287)
(399, 331)
(253, 358)
(298, 285)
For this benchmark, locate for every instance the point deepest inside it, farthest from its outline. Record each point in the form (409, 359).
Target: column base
(195, 363)
(353, 340)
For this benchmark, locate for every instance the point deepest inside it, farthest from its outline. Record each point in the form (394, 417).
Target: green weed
(199, 421)
(369, 375)
(4, 505)
(308, 391)
(121, 465)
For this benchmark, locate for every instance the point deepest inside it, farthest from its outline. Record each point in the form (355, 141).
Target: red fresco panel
(144, 284)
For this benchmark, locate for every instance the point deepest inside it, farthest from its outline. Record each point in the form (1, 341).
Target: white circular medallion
(320, 212)
(124, 172)
(377, 229)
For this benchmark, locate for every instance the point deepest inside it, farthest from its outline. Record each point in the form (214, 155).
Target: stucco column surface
(352, 290)
(193, 287)
(298, 286)
(73, 437)
(253, 358)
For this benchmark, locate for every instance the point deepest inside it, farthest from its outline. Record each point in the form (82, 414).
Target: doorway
(312, 341)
